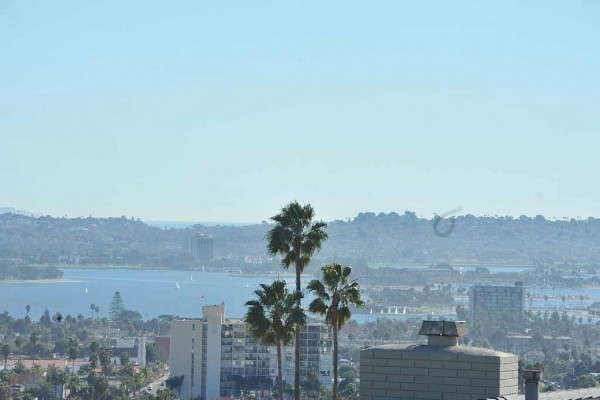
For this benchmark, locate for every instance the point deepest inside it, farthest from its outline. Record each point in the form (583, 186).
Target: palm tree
(333, 297)
(27, 308)
(73, 354)
(296, 237)
(5, 353)
(273, 318)
(93, 308)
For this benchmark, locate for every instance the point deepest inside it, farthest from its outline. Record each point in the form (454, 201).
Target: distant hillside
(12, 210)
(386, 238)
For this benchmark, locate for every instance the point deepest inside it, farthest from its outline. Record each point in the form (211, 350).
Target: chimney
(532, 380)
(443, 333)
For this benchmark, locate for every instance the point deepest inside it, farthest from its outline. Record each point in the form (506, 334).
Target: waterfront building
(200, 246)
(218, 355)
(497, 301)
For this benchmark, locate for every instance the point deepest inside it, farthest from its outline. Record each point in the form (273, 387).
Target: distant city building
(506, 301)
(201, 247)
(214, 354)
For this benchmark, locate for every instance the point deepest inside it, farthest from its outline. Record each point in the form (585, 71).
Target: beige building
(218, 356)
(441, 369)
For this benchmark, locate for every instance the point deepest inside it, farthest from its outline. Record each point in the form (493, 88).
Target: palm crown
(295, 235)
(274, 315)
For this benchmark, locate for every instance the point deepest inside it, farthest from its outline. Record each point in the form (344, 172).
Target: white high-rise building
(218, 356)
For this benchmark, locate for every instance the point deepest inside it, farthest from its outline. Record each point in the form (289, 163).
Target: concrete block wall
(432, 372)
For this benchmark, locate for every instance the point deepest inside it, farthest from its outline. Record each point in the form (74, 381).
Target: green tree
(105, 357)
(164, 394)
(73, 354)
(94, 360)
(273, 318)
(116, 306)
(124, 359)
(28, 308)
(19, 341)
(57, 377)
(333, 297)
(296, 238)
(5, 353)
(98, 387)
(175, 382)
(5, 391)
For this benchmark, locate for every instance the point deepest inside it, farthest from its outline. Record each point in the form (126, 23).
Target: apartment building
(505, 301)
(218, 356)
(200, 246)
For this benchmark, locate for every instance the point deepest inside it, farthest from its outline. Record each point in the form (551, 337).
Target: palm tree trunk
(335, 360)
(297, 347)
(279, 372)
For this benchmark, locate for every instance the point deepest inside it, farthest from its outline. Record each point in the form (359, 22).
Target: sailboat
(371, 312)
(86, 291)
(404, 310)
(381, 311)
(177, 286)
(191, 277)
(389, 310)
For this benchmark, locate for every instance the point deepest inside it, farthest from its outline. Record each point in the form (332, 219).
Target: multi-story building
(201, 247)
(218, 356)
(504, 301)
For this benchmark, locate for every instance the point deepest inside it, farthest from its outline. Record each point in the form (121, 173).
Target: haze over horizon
(226, 112)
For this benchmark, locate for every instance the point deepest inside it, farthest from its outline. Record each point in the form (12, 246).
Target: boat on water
(192, 278)
(404, 310)
(177, 286)
(86, 290)
(396, 310)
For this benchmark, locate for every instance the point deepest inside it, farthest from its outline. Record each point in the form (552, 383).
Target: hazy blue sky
(195, 110)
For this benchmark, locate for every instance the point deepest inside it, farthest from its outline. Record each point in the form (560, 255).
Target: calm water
(154, 292)
(150, 292)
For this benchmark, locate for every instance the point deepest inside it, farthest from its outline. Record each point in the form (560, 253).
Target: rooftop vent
(443, 333)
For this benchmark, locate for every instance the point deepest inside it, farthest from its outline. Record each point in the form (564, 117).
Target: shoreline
(38, 281)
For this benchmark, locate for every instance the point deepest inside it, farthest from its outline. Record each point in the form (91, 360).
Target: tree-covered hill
(371, 237)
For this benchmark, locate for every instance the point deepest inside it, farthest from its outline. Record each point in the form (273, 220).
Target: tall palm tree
(296, 237)
(273, 318)
(333, 297)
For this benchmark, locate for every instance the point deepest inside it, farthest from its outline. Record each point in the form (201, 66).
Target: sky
(226, 111)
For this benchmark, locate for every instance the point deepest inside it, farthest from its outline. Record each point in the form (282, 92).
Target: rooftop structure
(441, 369)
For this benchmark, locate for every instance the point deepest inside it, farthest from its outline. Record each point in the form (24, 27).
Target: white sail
(404, 310)
(86, 290)
(176, 285)
(396, 310)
